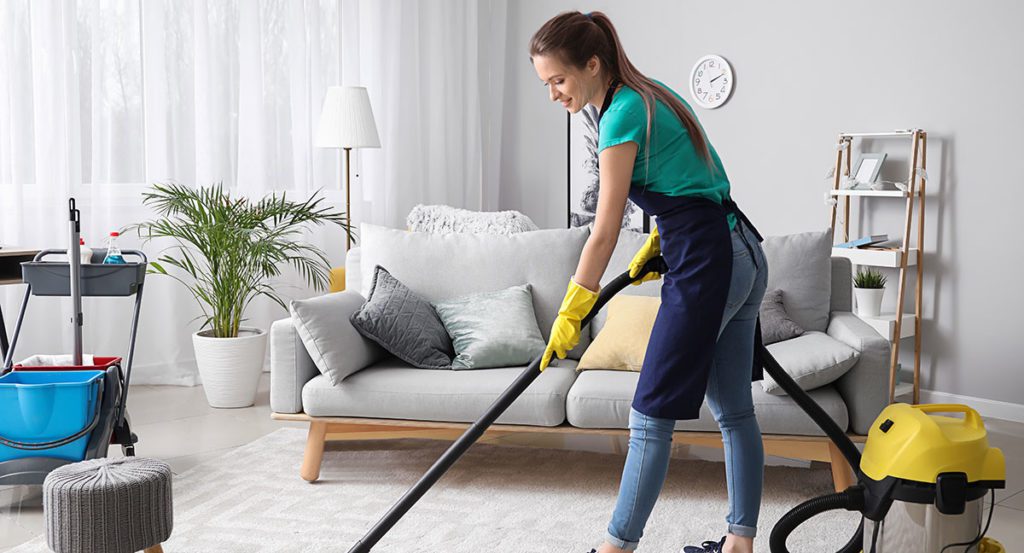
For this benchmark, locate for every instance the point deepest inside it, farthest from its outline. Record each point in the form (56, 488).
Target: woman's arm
(616, 164)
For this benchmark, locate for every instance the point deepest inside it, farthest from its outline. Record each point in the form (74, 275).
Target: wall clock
(711, 81)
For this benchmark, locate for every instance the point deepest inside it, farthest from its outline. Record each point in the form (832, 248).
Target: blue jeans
(728, 396)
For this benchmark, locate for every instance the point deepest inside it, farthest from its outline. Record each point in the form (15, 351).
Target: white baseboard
(985, 407)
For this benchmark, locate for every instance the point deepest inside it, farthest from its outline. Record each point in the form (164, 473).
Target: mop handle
(473, 433)
(75, 272)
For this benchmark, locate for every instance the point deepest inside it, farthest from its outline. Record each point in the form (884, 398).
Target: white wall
(806, 71)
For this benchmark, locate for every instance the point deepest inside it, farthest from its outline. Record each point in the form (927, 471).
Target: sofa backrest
(799, 265)
(445, 266)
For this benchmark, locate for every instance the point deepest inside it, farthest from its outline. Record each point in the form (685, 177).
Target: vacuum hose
(850, 500)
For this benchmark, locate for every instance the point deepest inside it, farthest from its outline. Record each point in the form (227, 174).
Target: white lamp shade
(346, 120)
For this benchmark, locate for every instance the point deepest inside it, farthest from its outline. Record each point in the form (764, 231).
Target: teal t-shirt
(673, 168)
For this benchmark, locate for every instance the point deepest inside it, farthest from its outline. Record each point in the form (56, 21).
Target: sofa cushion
(813, 360)
(322, 323)
(492, 329)
(444, 266)
(622, 343)
(776, 325)
(800, 266)
(392, 389)
(601, 399)
(403, 323)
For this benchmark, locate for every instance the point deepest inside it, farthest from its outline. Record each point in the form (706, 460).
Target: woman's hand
(565, 332)
(650, 249)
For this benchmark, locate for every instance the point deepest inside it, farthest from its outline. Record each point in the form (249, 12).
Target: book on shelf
(864, 241)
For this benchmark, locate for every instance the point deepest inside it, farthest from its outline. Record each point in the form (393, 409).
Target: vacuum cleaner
(920, 484)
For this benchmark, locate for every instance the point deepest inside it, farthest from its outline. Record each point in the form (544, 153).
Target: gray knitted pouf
(108, 506)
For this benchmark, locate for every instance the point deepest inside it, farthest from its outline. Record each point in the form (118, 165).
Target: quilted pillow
(403, 323)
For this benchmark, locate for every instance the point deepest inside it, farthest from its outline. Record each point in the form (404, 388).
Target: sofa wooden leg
(842, 474)
(154, 549)
(314, 454)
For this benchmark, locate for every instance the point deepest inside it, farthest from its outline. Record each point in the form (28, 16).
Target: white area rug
(495, 499)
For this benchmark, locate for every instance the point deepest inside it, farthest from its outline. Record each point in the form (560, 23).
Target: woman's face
(573, 88)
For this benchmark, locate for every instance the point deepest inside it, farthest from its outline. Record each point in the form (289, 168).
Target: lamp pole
(348, 199)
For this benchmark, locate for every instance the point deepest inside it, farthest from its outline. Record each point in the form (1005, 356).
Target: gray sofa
(386, 391)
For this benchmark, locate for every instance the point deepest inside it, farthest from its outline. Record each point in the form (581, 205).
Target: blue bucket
(38, 407)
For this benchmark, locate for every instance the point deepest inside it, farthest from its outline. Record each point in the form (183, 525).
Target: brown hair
(574, 38)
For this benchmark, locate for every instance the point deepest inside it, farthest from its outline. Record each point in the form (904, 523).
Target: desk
(10, 273)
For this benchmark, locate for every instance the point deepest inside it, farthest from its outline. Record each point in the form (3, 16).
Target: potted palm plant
(869, 286)
(226, 251)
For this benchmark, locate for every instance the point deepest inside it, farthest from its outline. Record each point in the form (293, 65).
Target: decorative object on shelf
(869, 286)
(226, 252)
(711, 81)
(868, 167)
(864, 241)
(583, 187)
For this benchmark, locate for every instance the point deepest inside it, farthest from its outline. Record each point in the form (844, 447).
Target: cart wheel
(128, 450)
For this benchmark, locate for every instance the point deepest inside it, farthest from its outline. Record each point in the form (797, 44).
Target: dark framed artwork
(583, 175)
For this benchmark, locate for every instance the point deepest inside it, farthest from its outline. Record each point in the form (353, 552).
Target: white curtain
(100, 98)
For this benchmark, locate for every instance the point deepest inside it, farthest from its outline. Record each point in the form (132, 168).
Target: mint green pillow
(492, 329)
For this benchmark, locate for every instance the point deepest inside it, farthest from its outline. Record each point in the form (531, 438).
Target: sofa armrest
(865, 388)
(291, 367)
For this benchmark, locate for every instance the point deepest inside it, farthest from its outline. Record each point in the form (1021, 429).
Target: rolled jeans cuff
(742, 531)
(621, 544)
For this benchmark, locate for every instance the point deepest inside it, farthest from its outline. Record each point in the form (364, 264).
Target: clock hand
(718, 77)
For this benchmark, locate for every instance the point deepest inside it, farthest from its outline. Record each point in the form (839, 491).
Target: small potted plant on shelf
(226, 250)
(869, 286)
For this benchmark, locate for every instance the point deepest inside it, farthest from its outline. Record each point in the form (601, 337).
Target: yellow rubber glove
(650, 249)
(565, 332)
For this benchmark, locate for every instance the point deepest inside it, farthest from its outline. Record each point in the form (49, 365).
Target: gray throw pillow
(322, 324)
(776, 325)
(492, 329)
(403, 323)
(813, 360)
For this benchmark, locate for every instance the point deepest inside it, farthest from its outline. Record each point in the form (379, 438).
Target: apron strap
(608, 98)
(731, 207)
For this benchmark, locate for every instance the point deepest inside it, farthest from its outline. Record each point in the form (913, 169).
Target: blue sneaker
(706, 547)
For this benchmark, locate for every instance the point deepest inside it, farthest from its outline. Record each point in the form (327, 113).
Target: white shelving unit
(885, 324)
(871, 193)
(904, 257)
(877, 257)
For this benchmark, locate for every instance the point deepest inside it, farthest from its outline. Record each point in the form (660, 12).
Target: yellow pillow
(622, 342)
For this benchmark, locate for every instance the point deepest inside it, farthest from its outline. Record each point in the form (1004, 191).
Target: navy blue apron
(697, 247)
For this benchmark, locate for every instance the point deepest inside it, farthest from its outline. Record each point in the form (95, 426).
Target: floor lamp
(346, 122)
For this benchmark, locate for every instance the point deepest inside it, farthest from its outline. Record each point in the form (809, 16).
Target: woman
(653, 150)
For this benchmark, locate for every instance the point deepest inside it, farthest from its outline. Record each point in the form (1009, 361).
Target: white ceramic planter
(230, 367)
(869, 301)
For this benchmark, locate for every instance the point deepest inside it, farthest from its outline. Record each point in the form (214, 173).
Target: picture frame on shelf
(869, 165)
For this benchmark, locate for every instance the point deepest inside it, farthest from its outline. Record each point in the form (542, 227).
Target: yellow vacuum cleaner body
(927, 476)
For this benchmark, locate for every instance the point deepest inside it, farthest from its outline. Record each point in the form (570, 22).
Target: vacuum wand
(473, 433)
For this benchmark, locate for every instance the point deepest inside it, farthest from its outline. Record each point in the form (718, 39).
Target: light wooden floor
(176, 424)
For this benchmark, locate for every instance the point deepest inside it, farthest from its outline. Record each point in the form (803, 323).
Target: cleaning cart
(54, 412)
